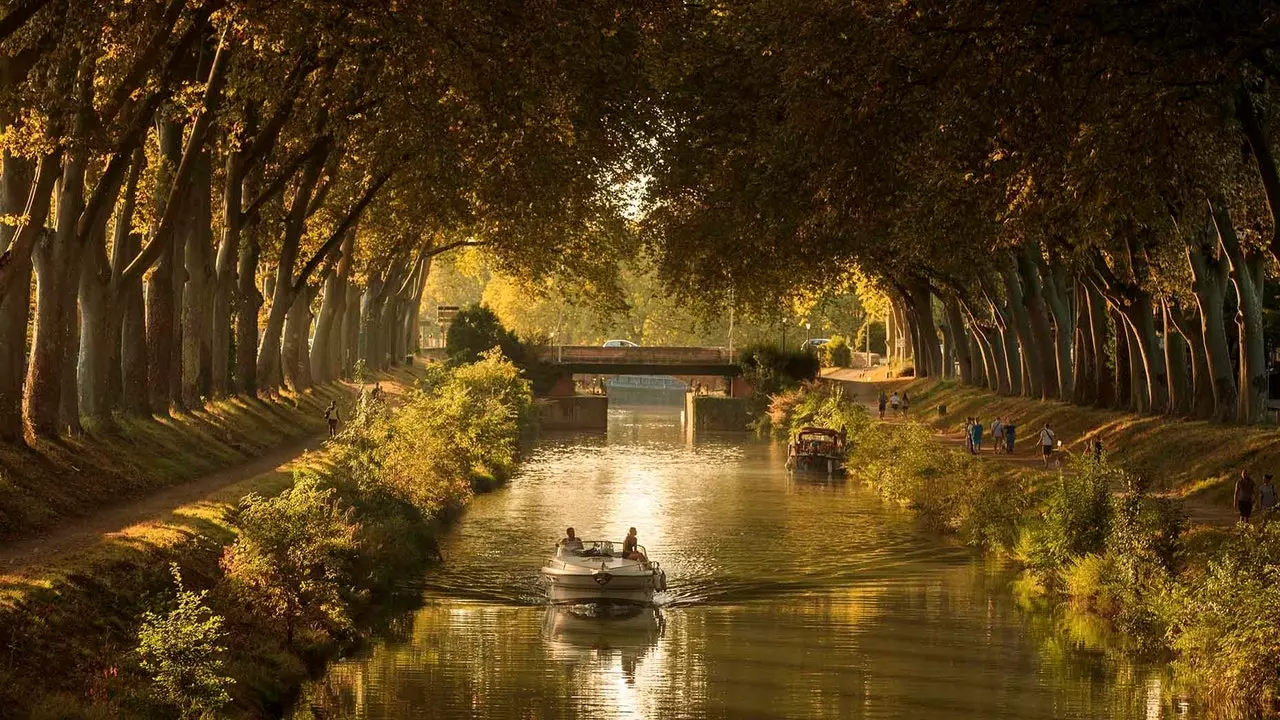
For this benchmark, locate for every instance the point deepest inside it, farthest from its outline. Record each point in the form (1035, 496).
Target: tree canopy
(1065, 200)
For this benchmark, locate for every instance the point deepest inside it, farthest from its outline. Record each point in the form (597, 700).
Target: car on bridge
(619, 343)
(812, 344)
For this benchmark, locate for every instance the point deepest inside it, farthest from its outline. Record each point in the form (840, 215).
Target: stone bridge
(592, 359)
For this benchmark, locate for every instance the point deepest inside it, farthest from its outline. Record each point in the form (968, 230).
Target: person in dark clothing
(331, 415)
(1244, 496)
(1010, 435)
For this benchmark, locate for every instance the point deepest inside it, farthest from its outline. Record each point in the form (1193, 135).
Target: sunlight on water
(787, 598)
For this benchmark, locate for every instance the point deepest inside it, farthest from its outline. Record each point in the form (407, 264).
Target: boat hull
(572, 588)
(816, 464)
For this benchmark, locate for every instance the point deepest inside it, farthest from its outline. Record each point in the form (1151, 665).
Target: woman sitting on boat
(629, 547)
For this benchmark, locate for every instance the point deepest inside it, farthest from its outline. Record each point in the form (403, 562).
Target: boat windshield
(818, 442)
(597, 548)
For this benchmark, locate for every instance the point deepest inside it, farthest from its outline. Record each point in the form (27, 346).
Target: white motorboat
(597, 574)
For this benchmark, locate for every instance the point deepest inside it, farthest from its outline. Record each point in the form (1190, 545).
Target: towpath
(864, 386)
(126, 521)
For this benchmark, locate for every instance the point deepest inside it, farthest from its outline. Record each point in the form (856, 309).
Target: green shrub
(1076, 519)
(1091, 581)
(182, 649)
(474, 331)
(1223, 625)
(836, 353)
(990, 506)
(292, 554)
(769, 369)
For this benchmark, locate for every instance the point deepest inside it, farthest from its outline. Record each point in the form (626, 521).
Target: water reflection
(787, 599)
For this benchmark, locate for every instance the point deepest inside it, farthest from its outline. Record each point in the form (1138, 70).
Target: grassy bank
(57, 481)
(1192, 459)
(228, 607)
(1093, 537)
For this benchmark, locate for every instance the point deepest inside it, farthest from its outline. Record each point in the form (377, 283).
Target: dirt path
(113, 522)
(88, 531)
(864, 387)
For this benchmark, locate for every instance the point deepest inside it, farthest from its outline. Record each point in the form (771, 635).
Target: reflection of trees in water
(806, 600)
(951, 643)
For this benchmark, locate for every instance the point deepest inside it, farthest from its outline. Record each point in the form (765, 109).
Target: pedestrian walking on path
(895, 402)
(1047, 439)
(883, 402)
(331, 415)
(968, 433)
(997, 434)
(976, 442)
(1266, 495)
(906, 402)
(1010, 435)
(1244, 496)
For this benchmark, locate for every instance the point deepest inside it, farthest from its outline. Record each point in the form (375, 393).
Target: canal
(787, 598)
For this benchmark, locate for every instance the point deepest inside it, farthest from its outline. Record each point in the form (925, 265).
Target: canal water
(787, 598)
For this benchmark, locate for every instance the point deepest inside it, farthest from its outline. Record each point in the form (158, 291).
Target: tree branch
(47, 173)
(17, 17)
(164, 232)
(336, 237)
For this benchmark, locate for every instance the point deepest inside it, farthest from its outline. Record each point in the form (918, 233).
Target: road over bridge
(597, 360)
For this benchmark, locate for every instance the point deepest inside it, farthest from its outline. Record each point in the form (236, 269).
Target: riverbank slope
(74, 626)
(1193, 460)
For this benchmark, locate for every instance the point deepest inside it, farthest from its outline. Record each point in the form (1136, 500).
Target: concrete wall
(712, 413)
(579, 412)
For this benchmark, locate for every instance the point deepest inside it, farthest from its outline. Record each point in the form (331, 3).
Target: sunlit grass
(132, 456)
(1185, 458)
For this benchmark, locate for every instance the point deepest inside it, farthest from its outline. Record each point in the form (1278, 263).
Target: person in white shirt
(571, 542)
(895, 402)
(1047, 439)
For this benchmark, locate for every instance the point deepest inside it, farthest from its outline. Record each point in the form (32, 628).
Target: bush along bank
(1090, 536)
(302, 575)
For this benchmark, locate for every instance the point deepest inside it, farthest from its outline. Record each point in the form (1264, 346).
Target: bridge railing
(585, 354)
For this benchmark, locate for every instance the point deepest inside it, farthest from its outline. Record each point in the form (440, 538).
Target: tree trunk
(351, 330)
(57, 266)
(1084, 383)
(332, 301)
(1031, 367)
(1175, 362)
(1061, 293)
(1248, 274)
(283, 293)
(1201, 379)
(1038, 321)
(326, 355)
(224, 280)
(16, 177)
(1210, 276)
(890, 336)
(1008, 340)
(955, 319)
(1123, 368)
(1108, 363)
(1142, 322)
(196, 293)
(293, 355)
(99, 359)
(927, 341)
(248, 304)
(161, 302)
